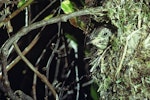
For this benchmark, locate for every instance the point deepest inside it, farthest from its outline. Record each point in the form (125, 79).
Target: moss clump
(122, 70)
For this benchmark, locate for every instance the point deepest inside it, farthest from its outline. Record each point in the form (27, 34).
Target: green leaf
(71, 37)
(72, 42)
(67, 6)
(49, 17)
(94, 93)
(21, 2)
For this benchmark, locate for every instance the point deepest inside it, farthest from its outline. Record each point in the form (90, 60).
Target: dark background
(21, 77)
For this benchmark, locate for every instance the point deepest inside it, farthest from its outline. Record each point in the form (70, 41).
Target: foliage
(94, 92)
(67, 6)
(20, 3)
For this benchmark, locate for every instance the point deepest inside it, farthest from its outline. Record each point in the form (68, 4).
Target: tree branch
(61, 18)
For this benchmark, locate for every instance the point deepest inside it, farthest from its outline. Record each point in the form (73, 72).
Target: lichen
(121, 69)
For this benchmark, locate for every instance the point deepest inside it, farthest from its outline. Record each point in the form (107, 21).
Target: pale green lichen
(127, 53)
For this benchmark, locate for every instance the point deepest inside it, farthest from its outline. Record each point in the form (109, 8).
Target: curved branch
(61, 18)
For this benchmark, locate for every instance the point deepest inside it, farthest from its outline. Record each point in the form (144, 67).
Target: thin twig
(125, 52)
(56, 70)
(27, 15)
(49, 62)
(22, 95)
(52, 55)
(78, 84)
(35, 76)
(43, 10)
(122, 59)
(37, 65)
(34, 85)
(41, 76)
(65, 49)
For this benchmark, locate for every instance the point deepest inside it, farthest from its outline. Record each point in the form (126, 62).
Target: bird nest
(121, 69)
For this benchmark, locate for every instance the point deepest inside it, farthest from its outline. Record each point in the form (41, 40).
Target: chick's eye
(105, 34)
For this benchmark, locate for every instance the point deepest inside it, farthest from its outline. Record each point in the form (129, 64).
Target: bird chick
(100, 37)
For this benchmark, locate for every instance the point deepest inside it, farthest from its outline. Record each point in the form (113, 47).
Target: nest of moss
(122, 70)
